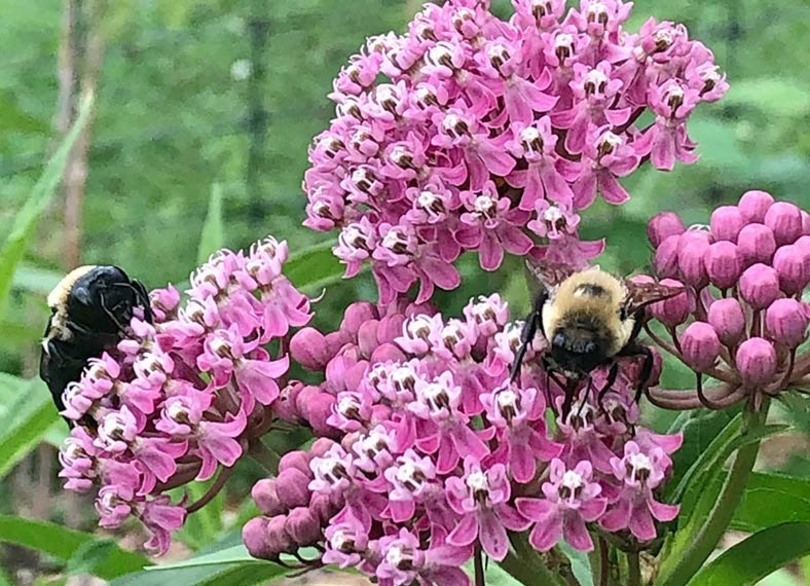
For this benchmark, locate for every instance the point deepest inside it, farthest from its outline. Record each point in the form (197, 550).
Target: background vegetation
(223, 96)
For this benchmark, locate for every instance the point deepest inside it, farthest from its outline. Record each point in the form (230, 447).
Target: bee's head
(578, 349)
(102, 299)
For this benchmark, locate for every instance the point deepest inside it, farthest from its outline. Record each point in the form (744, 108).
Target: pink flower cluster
(493, 135)
(745, 274)
(183, 397)
(428, 449)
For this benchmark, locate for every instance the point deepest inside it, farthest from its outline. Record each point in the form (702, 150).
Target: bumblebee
(91, 308)
(590, 319)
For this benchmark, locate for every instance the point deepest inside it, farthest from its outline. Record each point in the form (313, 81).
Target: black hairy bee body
(589, 319)
(91, 308)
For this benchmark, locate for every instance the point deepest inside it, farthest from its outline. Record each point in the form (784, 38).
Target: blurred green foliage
(178, 113)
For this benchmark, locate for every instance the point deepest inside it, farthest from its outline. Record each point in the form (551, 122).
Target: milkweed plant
(466, 133)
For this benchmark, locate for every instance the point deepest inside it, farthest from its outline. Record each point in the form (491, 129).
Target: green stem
(480, 580)
(526, 567)
(720, 516)
(633, 570)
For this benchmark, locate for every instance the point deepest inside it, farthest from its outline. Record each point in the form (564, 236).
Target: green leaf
(30, 416)
(213, 232)
(699, 428)
(314, 268)
(203, 526)
(228, 567)
(23, 228)
(580, 564)
(702, 486)
(772, 499)
(89, 555)
(64, 544)
(756, 557)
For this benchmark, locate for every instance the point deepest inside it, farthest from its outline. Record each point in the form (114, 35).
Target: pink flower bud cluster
(181, 398)
(742, 317)
(428, 448)
(492, 135)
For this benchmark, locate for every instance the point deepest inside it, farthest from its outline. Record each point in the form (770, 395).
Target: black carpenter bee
(589, 318)
(91, 308)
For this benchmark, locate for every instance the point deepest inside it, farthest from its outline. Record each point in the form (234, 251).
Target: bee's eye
(590, 347)
(559, 340)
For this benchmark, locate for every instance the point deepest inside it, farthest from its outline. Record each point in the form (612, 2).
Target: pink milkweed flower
(413, 478)
(404, 561)
(554, 221)
(483, 156)
(594, 90)
(346, 543)
(480, 497)
(581, 438)
(487, 314)
(635, 507)
(541, 14)
(571, 501)
(608, 157)
(500, 59)
(667, 139)
(519, 416)
(492, 226)
(446, 430)
(216, 443)
(536, 144)
(355, 244)
(161, 518)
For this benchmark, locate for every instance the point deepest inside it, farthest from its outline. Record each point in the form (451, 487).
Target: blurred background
(201, 95)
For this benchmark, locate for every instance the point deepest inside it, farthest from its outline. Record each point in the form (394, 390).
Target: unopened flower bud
(388, 352)
(803, 243)
(662, 226)
(367, 337)
(756, 361)
(727, 318)
(723, 264)
(356, 315)
(308, 348)
(291, 487)
(316, 409)
(756, 243)
(323, 505)
(693, 248)
(295, 459)
(700, 346)
(785, 219)
(334, 341)
(786, 322)
(320, 446)
(675, 310)
(754, 204)
(277, 537)
(726, 223)
(805, 223)
(304, 526)
(266, 498)
(254, 536)
(792, 264)
(666, 257)
(759, 286)
(390, 327)
(284, 407)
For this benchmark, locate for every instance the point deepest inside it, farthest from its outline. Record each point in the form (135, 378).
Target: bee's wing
(544, 277)
(640, 295)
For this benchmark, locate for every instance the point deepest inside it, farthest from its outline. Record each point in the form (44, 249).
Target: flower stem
(633, 569)
(720, 516)
(478, 560)
(526, 567)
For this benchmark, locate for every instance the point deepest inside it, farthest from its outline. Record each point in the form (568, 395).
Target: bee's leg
(534, 322)
(570, 392)
(635, 350)
(143, 297)
(588, 393)
(611, 379)
(121, 327)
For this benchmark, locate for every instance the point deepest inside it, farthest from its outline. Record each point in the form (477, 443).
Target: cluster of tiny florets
(492, 135)
(742, 317)
(182, 397)
(426, 447)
